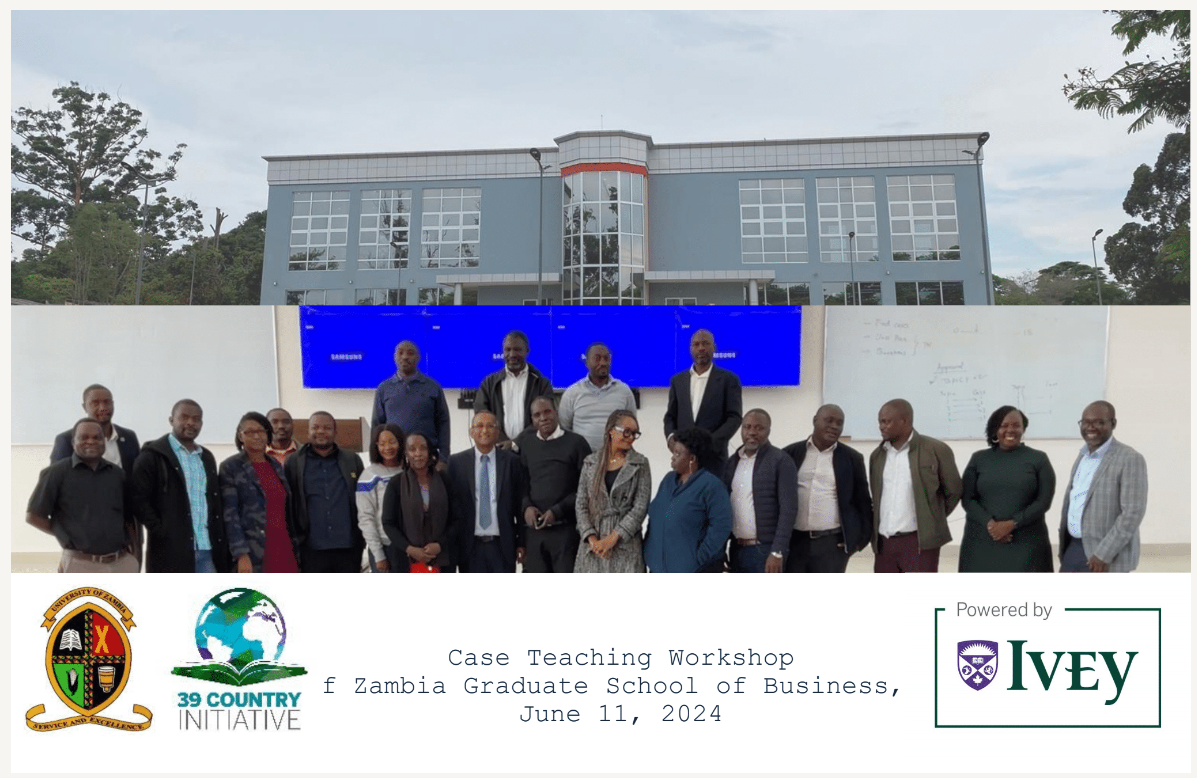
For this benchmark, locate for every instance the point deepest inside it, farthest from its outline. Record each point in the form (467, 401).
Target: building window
(681, 301)
(532, 301)
(863, 293)
(380, 297)
(786, 294)
(384, 229)
(922, 217)
(602, 256)
(451, 225)
(773, 221)
(306, 296)
(930, 292)
(847, 206)
(319, 230)
(442, 294)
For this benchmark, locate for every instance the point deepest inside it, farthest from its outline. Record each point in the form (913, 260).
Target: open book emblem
(240, 634)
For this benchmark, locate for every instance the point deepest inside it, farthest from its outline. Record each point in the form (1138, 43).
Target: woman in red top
(257, 503)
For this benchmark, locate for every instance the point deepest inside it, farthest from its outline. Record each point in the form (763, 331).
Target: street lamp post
(1096, 271)
(535, 154)
(852, 267)
(145, 218)
(976, 155)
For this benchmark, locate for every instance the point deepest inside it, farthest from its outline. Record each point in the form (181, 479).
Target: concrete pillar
(457, 294)
(752, 292)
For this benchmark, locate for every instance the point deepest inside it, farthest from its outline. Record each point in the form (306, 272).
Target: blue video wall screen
(352, 347)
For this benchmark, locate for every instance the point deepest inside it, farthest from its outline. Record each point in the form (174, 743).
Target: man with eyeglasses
(487, 487)
(1105, 500)
(412, 401)
(587, 404)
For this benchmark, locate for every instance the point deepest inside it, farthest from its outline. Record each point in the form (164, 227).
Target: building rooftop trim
(653, 146)
(971, 137)
(545, 151)
(602, 134)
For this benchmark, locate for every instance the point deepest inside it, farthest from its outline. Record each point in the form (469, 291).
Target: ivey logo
(1086, 667)
(88, 661)
(978, 663)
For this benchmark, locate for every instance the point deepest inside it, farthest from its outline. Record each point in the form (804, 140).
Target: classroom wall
(1148, 380)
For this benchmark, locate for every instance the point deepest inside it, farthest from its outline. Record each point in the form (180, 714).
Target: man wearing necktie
(488, 486)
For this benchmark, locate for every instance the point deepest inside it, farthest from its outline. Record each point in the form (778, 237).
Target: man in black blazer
(835, 510)
(718, 391)
(518, 381)
(175, 493)
(764, 493)
(120, 445)
(323, 479)
(488, 487)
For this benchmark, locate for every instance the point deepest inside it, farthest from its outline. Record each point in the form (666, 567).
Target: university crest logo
(88, 661)
(978, 662)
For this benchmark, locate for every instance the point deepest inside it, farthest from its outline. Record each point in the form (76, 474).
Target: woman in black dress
(1008, 490)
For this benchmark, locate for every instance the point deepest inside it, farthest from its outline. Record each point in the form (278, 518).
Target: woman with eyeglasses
(690, 519)
(257, 503)
(1008, 490)
(386, 462)
(612, 501)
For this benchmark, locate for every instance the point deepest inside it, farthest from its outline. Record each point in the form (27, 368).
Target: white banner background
(852, 628)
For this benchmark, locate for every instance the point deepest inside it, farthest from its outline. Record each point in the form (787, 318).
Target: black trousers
(816, 555)
(551, 550)
(334, 560)
(485, 557)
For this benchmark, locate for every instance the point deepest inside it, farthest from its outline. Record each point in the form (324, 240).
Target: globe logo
(241, 634)
(239, 626)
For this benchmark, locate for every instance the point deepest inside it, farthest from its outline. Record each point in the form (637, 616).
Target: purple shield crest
(978, 662)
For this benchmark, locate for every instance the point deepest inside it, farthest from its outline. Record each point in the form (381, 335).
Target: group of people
(561, 487)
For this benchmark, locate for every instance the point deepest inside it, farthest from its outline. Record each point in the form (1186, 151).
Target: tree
(99, 253)
(1149, 90)
(1075, 283)
(89, 150)
(1153, 259)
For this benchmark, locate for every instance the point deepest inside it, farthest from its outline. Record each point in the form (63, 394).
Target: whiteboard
(956, 365)
(223, 357)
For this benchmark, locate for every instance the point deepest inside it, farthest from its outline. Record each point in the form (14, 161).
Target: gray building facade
(614, 218)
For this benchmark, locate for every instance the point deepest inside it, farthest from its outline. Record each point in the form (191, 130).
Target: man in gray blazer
(1105, 500)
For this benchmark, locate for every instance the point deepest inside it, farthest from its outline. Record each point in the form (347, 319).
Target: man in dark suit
(323, 480)
(705, 396)
(175, 492)
(487, 487)
(508, 393)
(764, 495)
(835, 510)
(120, 444)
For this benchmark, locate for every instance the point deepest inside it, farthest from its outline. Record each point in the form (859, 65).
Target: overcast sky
(239, 86)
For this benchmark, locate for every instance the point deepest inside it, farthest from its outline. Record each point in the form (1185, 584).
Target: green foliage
(1064, 283)
(77, 153)
(1148, 90)
(99, 255)
(1153, 259)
